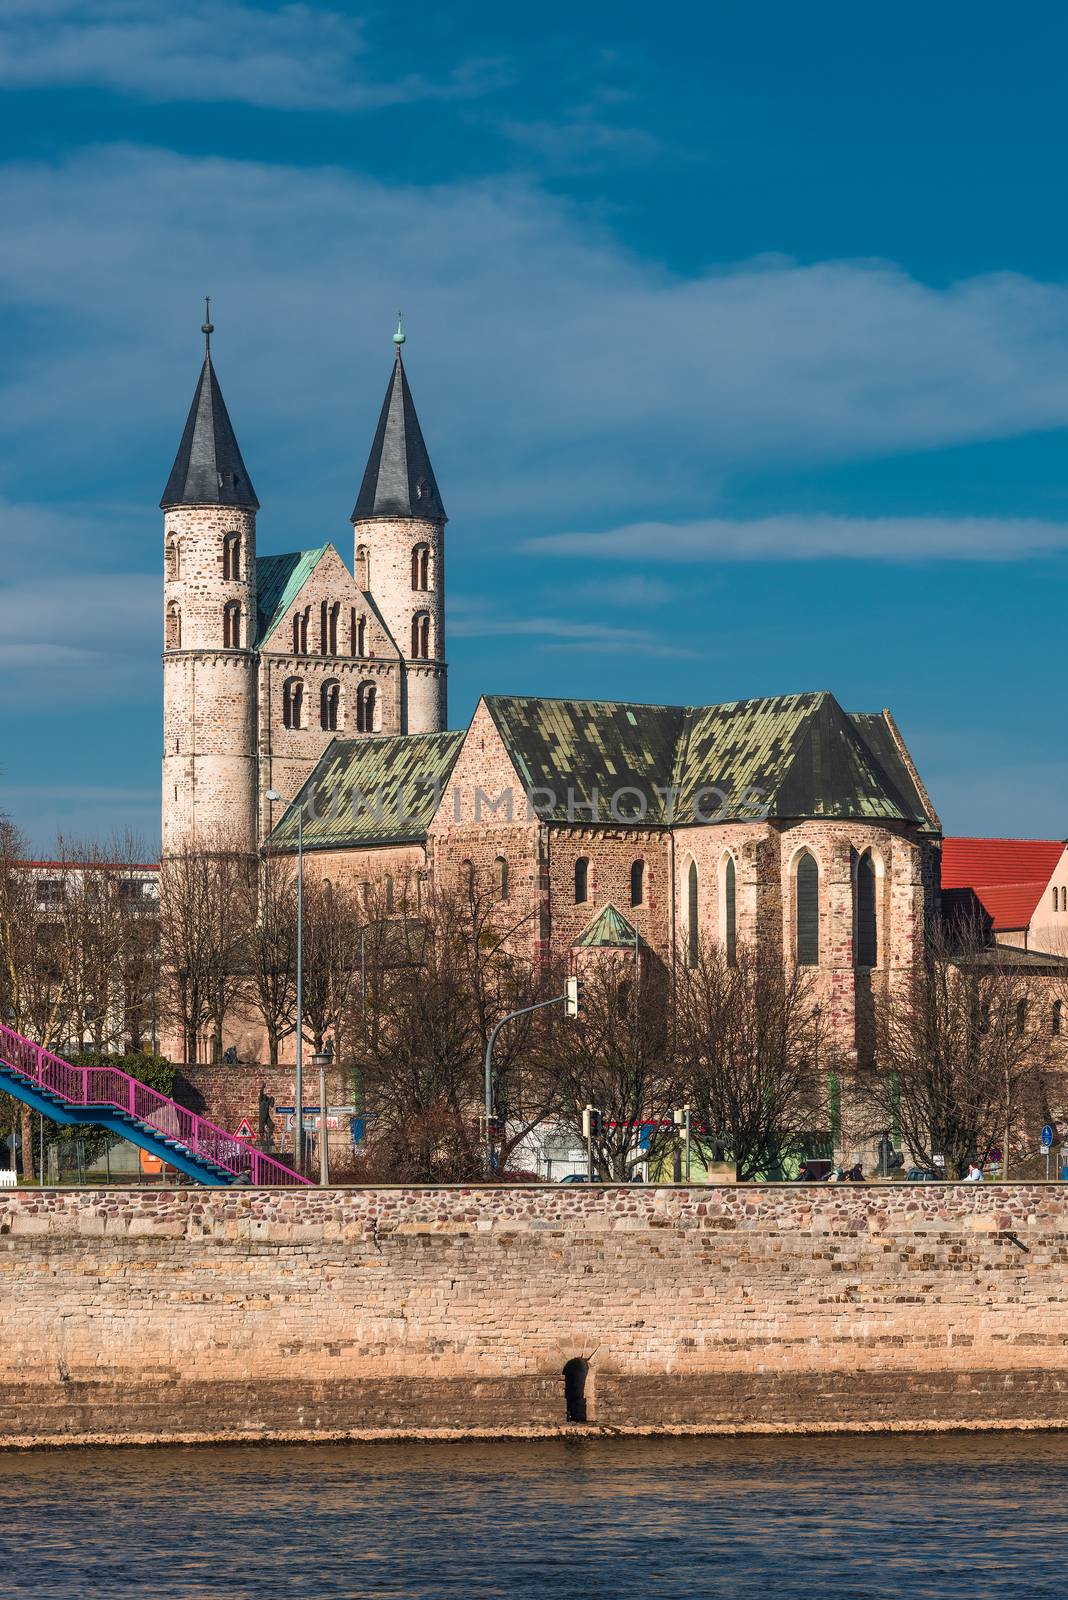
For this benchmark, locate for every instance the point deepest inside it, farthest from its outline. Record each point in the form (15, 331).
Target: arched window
(363, 567)
(324, 628)
(467, 876)
(300, 632)
(232, 625)
(173, 559)
(501, 868)
(421, 567)
(232, 556)
(335, 611)
(867, 949)
(582, 880)
(174, 626)
(292, 703)
(366, 698)
(357, 634)
(692, 908)
(1056, 906)
(807, 910)
(1055, 1024)
(637, 883)
(623, 993)
(1021, 1016)
(329, 696)
(730, 910)
(421, 636)
(390, 896)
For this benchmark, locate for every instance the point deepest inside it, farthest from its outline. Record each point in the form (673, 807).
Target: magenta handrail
(109, 1086)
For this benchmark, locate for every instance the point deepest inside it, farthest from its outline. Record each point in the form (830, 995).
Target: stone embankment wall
(206, 1314)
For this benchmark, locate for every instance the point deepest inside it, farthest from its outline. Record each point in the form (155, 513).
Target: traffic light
(592, 1122)
(573, 997)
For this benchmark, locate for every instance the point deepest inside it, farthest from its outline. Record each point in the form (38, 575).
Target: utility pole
(557, 999)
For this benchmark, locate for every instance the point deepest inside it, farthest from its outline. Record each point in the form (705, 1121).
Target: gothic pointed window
(807, 910)
(1055, 1026)
(292, 703)
(232, 556)
(501, 868)
(730, 910)
(421, 567)
(637, 883)
(366, 698)
(867, 931)
(232, 625)
(329, 696)
(174, 626)
(582, 880)
(692, 916)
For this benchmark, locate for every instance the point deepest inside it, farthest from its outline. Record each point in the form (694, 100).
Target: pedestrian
(975, 1174)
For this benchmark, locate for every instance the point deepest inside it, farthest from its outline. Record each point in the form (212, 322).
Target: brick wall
(251, 1314)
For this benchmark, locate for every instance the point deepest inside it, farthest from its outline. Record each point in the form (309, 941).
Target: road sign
(1047, 1137)
(244, 1130)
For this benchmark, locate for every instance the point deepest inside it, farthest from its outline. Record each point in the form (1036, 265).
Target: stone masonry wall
(242, 1314)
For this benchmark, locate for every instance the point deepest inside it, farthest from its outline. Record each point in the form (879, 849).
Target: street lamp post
(298, 1107)
(322, 1060)
(557, 999)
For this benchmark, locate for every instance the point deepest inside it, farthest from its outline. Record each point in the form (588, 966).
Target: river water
(601, 1519)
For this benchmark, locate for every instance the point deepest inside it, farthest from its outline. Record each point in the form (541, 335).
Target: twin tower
(268, 658)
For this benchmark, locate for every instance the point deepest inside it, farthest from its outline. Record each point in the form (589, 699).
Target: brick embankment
(150, 1316)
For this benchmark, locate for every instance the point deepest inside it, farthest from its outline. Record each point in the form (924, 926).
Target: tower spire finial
(207, 327)
(400, 335)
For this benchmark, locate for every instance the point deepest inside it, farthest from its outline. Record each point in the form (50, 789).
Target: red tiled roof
(1008, 876)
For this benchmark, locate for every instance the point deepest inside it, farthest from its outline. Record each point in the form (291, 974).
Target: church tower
(399, 524)
(209, 618)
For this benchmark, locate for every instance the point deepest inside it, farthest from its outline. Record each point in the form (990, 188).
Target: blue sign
(1047, 1137)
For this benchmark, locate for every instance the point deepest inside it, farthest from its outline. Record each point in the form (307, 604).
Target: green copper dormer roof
(399, 480)
(208, 469)
(609, 930)
(279, 579)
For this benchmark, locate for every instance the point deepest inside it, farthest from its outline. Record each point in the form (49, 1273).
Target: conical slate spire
(208, 469)
(399, 480)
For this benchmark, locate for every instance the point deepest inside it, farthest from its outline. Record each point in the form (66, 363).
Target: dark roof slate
(380, 790)
(399, 480)
(208, 469)
(784, 756)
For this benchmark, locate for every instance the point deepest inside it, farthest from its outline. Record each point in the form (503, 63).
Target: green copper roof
(378, 790)
(279, 579)
(784, 756)
(608, 931)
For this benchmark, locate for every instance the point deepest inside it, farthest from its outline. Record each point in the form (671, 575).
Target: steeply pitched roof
(609, 930)
(208, 469)
(1007, 877)
(399, 480)
(786, 756)
(382, 790)
(880, 735)
(279, 579)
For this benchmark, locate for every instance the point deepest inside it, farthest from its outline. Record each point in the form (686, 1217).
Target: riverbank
(197, 1316)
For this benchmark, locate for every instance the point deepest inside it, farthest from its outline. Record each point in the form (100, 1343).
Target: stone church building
(268, 658)
(598, 825)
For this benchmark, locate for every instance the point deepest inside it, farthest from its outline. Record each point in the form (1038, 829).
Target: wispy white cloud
(815, 538)
(592, 383)
(79, 639)
(574, 634)
(582, 141)
(287, 57)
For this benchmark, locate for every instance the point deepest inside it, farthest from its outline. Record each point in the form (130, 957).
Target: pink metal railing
(108, 1086)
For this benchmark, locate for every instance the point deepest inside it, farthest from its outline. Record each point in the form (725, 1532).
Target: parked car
(577, 1177)
(924, 1175)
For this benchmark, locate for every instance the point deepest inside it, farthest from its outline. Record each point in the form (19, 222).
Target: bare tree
(270, 916)
(750, 1049)
(963, 1051)
(618, 1057)
(332, 921)
(204, 938)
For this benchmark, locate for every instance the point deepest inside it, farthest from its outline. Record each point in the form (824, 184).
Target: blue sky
(738, 333)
